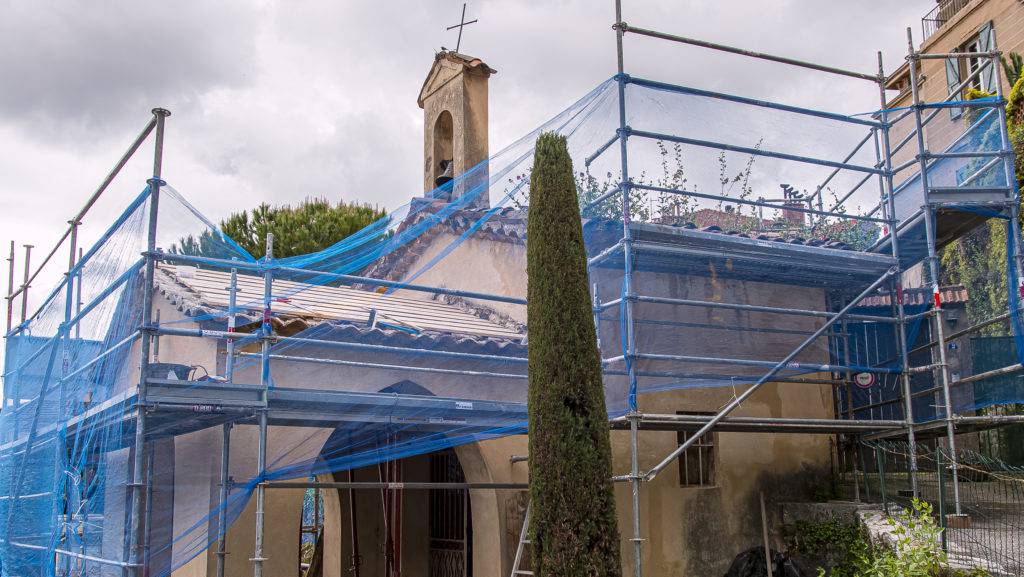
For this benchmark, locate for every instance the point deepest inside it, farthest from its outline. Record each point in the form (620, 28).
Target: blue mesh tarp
(410, 336)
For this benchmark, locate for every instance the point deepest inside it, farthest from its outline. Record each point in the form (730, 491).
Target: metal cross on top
(462, 23)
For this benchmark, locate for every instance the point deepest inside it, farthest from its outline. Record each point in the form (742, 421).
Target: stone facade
(454, 103)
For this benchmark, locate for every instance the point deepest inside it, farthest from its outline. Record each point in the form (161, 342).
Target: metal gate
(450, 532)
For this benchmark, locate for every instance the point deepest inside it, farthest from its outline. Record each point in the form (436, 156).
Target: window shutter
(988, 77)
(952, 81)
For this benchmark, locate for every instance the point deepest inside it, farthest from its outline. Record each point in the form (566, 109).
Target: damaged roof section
(298, 305)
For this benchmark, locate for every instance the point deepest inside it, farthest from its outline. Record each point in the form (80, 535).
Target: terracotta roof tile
(953, 295)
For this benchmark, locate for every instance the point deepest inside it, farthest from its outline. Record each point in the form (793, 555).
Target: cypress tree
(573, 528)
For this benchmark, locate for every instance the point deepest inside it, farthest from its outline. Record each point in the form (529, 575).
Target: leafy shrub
(847, 552)
(841, 546)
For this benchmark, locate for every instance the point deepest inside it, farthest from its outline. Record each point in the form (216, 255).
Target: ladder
(524, 540)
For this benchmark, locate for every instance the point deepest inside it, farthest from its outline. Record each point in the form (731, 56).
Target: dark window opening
(697, 463)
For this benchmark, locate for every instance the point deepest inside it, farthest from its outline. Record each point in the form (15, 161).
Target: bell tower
(454, 103)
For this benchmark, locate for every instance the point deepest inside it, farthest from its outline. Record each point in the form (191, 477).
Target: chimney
(792, 199)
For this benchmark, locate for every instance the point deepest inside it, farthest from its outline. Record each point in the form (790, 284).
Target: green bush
(846, 551)
(840, 546)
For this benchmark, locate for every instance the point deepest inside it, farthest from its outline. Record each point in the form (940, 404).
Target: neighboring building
(952, 26)
(955, 26)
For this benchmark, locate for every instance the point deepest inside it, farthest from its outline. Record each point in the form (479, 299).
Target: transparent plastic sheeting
(362, 372)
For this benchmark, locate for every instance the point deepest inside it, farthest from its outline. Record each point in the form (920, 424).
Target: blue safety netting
(410, 336)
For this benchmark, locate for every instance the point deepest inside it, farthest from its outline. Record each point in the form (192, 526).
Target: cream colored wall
(687, 530)
(497, 268)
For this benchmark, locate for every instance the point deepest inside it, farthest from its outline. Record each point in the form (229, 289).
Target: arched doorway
(407, 532)
(396, 532)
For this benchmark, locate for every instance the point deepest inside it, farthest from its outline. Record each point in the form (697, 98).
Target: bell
(447, 174)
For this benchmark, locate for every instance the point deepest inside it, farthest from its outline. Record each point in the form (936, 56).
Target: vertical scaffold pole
(24, 284)
(896, 287)
(78, 297)
(942, 495)
(147, 528)
(261, 465)
(10, 289)
(848, 380)
(60, 462)
(222, 513)
(229, 361)
(137, 487)
(933, 268)
(627, 298)
(225, 449)
(72, 253)
(880, 465)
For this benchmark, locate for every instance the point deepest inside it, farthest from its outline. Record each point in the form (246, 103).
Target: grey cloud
(90, 65)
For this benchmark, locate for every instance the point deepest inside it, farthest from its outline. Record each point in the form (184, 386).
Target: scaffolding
(935, 198)
(164, 404)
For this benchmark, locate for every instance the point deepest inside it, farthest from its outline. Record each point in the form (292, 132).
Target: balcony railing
(942, 13)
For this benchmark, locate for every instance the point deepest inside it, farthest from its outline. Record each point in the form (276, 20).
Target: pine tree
(311, 226)
(573, 526)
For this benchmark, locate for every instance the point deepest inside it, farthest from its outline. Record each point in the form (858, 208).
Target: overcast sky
(276, 101)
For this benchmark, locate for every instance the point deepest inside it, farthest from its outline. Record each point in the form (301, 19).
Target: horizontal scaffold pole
(954, 55)
(782, 422)
(77, 220)
(750, 308)
(208, 334)
(817, 367)
(611, 192)
(600, 150)
(391, 486)
(743, 52)
(343, 363)
(100, 243)
(706, 376)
